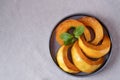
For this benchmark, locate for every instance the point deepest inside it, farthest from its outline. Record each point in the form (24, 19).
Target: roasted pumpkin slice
(66, 25)
(95, 25)
(64, 62)
(83, 63)
(95, 51)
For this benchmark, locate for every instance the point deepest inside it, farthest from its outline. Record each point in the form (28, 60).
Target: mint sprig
(70, 38)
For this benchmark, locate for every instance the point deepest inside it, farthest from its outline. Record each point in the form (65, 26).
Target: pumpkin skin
(93, 51)
(63, 61)
(83, 63)
(95, 25)
(66, 25)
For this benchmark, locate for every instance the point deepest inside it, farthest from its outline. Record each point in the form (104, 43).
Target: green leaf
(69, 41)
(78, 31)
(67, 38)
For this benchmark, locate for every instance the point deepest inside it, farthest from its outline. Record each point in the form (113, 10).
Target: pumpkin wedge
(83, 63)
(95, 25)
(95, 51)
(66, 25)
(63, 61)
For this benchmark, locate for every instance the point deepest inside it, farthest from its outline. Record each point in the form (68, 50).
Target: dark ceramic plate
(54, 46)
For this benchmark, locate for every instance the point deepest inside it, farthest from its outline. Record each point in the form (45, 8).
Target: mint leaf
(67, 38)
(69, 41)
(78, 31)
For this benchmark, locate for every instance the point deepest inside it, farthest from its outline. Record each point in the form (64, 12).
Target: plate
(54, 46)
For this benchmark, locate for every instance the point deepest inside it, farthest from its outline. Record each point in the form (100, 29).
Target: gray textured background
(25, 27)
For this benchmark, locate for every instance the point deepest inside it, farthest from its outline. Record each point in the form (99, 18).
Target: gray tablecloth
(25, 27)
